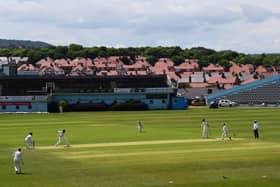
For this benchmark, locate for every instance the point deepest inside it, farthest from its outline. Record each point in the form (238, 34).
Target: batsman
(30, 143)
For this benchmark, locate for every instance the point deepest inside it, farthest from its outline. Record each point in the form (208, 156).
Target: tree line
(22, 44)
(128, 55)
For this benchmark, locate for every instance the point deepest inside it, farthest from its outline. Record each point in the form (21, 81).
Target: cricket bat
(33, 144)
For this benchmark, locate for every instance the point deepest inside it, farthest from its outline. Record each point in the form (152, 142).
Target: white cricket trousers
(224, 134)
(62, 139)
(205, 132)
(17, 166)
(29, 144)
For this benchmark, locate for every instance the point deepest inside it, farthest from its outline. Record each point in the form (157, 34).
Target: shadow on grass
(24, 174)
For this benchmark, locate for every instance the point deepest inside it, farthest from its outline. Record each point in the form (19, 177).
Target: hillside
(4, 43)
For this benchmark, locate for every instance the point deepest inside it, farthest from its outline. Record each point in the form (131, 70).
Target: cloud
(256, 14)
(219, 24)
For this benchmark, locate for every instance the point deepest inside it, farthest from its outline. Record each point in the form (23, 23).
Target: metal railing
(23, 98)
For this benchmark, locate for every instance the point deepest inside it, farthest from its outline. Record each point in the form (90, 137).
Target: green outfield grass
(107, 150)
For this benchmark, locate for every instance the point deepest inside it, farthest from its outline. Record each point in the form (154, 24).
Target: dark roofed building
(33, 85)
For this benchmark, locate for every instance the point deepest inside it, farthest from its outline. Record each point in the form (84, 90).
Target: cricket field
(108, 151)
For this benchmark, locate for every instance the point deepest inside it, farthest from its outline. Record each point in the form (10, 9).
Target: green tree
(225, 63)
(152, 60)
(60, 52)
(5, 52)
(178, 59)
(75, 47)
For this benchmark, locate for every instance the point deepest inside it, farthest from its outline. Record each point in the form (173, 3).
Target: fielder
(139, 126)
(205, 129)
(256, 129)
(225, 132)
(29, 141)
(18, 160)
(61, 137)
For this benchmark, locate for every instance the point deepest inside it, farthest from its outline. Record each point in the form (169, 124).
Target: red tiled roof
(191, 62)
(27, 67)
(186, 66)
(213, 67)
(111, 65)
(78, 68)
(133, 66)
(99, 64)
(194, 62)
(46, 68)
(86, 62)
(57, 69)
(261, 69)
(142, 61)
(164, 62)
(141, 73)
(198, 73)
(158, 70)
(112, 73)
(250, 80)
(172, 75)
(198, 85)
(185, 74)
(228, 86)
(89, 62)
(63, 63)
(109, 60)
(136, 73)
(213, 80)
(131, 72)
(45, 62)
(268, 74)
(101, 73)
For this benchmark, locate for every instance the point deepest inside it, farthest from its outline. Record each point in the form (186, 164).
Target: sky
(249, 26)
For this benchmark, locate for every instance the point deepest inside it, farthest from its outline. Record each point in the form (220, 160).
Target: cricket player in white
(225, 132)
(205, 129)
(18, 160)
(140, 126)
(29, 141)
(61, 137)
(256, 129)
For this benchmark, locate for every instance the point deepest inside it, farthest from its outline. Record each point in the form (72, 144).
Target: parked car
(214, 104)
(227, 103)
(197, 102)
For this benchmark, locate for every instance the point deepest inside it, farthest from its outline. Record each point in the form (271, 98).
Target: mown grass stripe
(142, 153)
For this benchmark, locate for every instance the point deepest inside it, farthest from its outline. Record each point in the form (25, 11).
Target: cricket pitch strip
(153, 142)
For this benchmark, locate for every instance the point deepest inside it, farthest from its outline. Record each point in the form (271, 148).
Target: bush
(62, 103)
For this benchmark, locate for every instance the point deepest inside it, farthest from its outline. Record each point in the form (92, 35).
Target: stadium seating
(267, 94)
(25, 85)
(264, 91)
